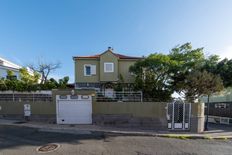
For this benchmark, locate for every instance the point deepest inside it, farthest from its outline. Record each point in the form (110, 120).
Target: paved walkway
(215, 131)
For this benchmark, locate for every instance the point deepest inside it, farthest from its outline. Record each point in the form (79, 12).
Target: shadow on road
(25, 140)
(11, 136)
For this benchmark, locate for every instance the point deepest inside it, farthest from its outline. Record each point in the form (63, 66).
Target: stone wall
(150, 115)
(40, 111)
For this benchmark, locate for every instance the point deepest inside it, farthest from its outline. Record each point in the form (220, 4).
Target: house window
(13, 77)
(89, 70)
(108, 67)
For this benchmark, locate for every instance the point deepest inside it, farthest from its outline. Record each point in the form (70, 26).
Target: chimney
(110, 48)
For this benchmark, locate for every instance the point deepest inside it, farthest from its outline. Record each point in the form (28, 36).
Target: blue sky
(56, 30)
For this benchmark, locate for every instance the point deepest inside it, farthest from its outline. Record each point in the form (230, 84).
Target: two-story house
(103, 70)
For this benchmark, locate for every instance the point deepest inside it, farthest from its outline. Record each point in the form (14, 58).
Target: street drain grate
(140, 153)
(48, 148)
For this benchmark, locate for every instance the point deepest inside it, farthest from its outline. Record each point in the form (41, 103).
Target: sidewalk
(213, 133)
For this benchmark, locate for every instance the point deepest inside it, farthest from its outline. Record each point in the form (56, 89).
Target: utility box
(27, 111)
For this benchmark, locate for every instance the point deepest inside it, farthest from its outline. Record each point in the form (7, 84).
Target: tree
(210, 64)
(11, 75)
(11, 84)
(200, 83)
(197, 84)
(3, 85)
(27, 81)
(188, 59)
(119, 85)
(224, 69)
(63, 82)
(49, 84)
(53, 84)
(11, 81)
(153, 76)
(27, 77)
(44, 69)
(158, 75)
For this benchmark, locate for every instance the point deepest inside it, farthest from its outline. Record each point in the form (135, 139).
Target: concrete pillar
(197, 117)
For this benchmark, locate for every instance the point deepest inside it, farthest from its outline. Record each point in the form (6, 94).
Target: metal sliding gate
(178, 115)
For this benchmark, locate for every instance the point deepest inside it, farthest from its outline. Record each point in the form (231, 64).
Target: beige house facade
(103, 70)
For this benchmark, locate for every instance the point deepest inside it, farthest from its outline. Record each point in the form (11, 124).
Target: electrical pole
(207, 116)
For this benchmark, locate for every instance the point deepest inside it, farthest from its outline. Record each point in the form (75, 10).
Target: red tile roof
(120, 56)
(92, 56)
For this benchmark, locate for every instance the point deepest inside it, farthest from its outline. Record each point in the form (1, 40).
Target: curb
(223, 137)
(183, 137)
(195, 137)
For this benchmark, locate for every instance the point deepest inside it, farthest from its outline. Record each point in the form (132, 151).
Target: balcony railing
(115, 96)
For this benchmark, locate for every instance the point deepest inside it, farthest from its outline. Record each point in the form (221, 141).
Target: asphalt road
(25, 141)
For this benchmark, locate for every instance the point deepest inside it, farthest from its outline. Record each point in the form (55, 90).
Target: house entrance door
(178, 115)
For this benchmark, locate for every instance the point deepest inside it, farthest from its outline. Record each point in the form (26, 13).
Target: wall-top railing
(116, 96)
(221, 109)
(45, 96)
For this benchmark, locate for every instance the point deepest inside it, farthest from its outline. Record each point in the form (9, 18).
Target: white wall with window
(89, 70)
(3, 72)
(108, 67)
(6, 65)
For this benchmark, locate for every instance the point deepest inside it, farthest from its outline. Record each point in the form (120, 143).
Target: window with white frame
(108, 67)
(89, 70)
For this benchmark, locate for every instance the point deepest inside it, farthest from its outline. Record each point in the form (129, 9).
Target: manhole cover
(48, 148)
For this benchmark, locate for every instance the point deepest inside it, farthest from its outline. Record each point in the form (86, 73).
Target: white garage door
(74, 111)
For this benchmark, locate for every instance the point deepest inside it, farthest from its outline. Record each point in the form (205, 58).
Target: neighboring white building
(6, 65)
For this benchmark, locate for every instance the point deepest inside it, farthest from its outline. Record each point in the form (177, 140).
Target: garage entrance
(74, 109)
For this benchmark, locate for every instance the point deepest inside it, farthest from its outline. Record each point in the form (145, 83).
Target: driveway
(25, 141)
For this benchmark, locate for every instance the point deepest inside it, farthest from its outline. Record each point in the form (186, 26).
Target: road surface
(25, 141)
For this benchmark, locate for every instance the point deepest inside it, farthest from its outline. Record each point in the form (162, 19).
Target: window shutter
(93, 69)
